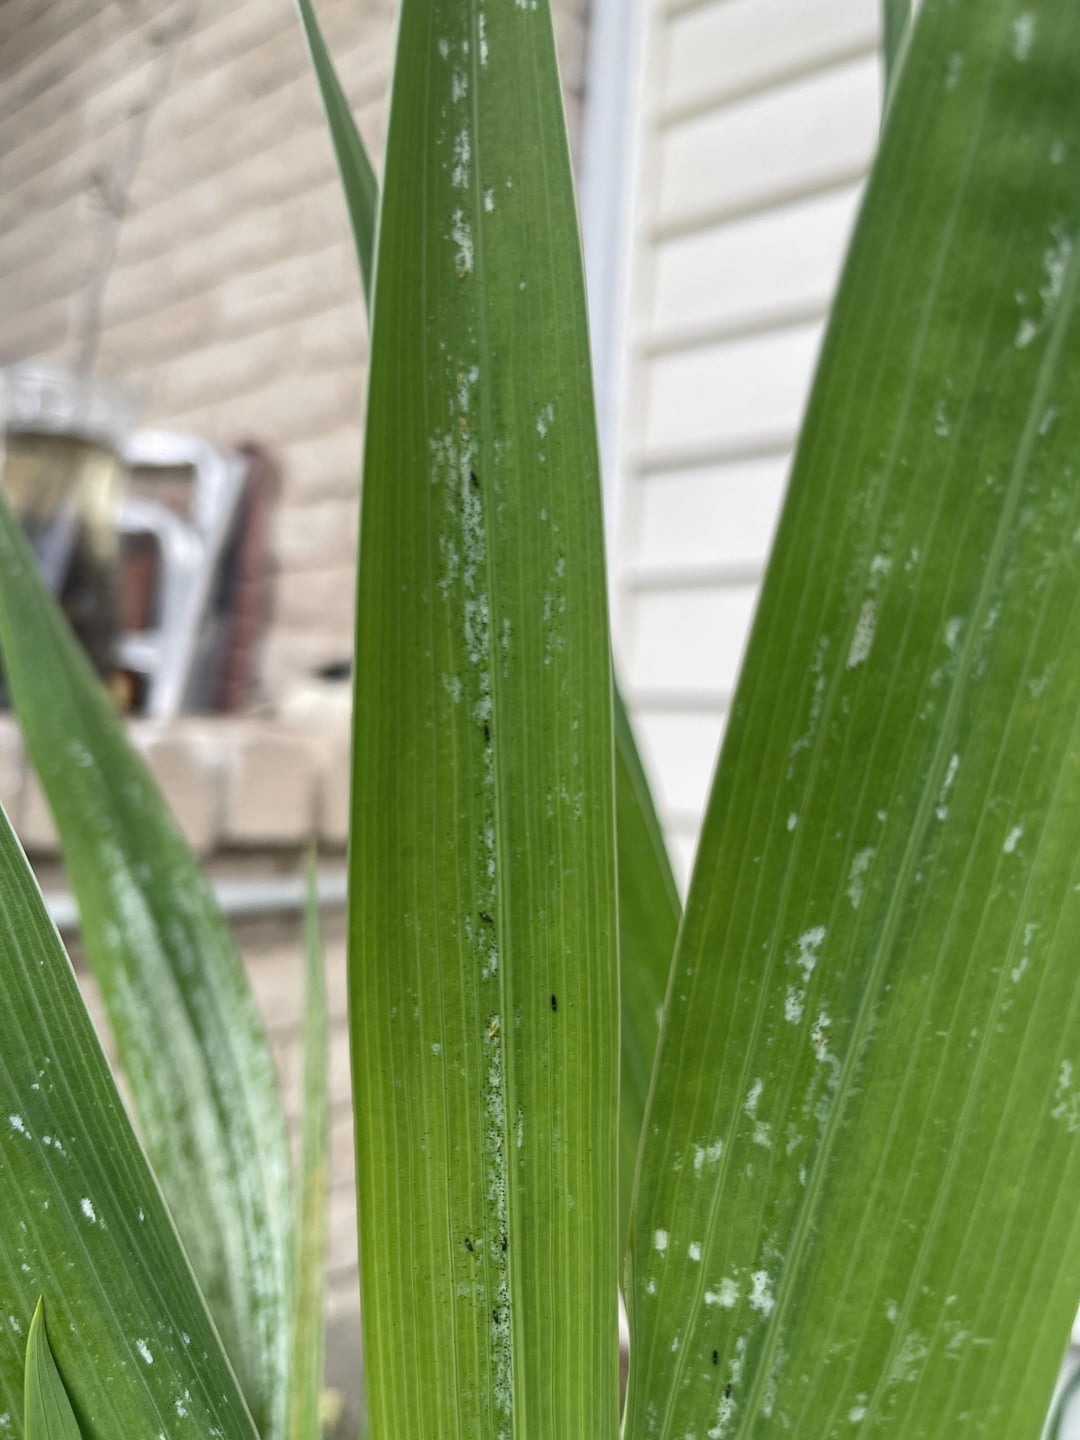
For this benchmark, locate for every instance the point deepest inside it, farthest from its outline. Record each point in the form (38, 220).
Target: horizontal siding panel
(715, 517)
(688, 641)
(755, 267)
(794, 137)
(679, 754)
(732, 46)
(731, 392)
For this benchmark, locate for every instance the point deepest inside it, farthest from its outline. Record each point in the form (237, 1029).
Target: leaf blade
(649, 913)
(49, 1415)
(81, 1214)
(182, 1014)
(309, 1336)
(886, 1104)
(503, 1260)
(357, 177)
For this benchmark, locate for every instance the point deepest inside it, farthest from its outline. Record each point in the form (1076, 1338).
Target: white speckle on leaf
(1066, 1100)
(144, 1352)
(660, 1241)
(461, 234)
(18, 1124)
(694, 1251)
(863, 638)
(856, 1414)
(761, 1297)
(1013, 839)
(1023, 35)
(792, 821)
(489, 201)
(436, 1049)
(808, 945)
(794, 1004)
(942, 810)
(726, 1295)
(87, 1208)
(860, 864)
(753, 1098)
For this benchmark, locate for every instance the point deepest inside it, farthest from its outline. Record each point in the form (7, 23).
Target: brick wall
(233, 303)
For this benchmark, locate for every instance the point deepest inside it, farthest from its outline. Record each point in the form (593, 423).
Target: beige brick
(333, 794)
(323, 468)
(185, 768)
(311, 537)
(321, 597)
(269, 787)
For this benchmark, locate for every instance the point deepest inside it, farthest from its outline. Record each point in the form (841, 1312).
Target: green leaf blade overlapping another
(82, 1218)
(648, 924)
(357, 177)
(48, 1412)
(484, 988)
(183, 1016)
(856, 1213)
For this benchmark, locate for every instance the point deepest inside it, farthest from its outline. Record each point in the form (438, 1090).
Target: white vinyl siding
(757, 121)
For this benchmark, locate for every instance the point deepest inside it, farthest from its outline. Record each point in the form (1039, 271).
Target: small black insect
(716, 1357)
(475, 479)
(487, 733)
(505, 1242)
(554, 1002)
(495, 1317)
(468, 1245)
(486, 918)
(727, 1391)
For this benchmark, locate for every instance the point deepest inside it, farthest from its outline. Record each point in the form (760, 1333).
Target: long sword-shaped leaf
(857, 1210)
(648, 899)
(309, 1328)
(484, 987)
(895, 17)
(648, 924)
(185, 1023)
(48, 1411)
(82, 1221)
(357, 177)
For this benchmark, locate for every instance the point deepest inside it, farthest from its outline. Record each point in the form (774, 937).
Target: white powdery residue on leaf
(942, 809)
(707, 1154)
(753, 1098)
(694, 1251)
(544, 420)
(761, 1296)
(87, 1208)
(459, 176)
(808, 947)
(856, 1414)
(660, 1241)
(792, 821)
(144, 1352)
(857, 875)
(1013, 839)
(482, 47)
(461, 235)
(489, 201)
(863, 637)
(953, 627)
(794, 1004)
(1023, 35)
(18, 1124)
(725, 1296)
(1066, 1107)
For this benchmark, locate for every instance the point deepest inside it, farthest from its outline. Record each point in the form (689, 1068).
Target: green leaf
(648, 924)
(896, 18)
(188, 1035)
(857, 1209)
(81, 1216)
(357, 177)
(306, 1371)
(483, 972)
(49, 1415)
(648, 900)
